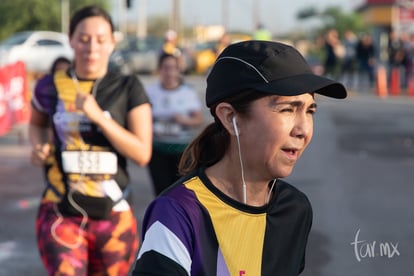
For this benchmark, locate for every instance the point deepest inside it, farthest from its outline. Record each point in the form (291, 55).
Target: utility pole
(64, 16)
(122, 16)
(175, 16)
(256, 14)
(142, 18)
(225, 14)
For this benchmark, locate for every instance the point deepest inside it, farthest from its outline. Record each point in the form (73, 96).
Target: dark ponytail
(206, 149)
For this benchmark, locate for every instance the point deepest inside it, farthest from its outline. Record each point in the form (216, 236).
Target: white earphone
(236, 130)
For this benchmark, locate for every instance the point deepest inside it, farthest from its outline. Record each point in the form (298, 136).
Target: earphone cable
(271, 190)
(242, 170)
(72, 202)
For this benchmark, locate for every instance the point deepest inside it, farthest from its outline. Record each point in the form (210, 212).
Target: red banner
(5, 114)
(406, 15)
(14, 100)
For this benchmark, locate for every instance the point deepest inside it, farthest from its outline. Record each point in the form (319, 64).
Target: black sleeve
(155, 264)
(136, 92)
(310, 222)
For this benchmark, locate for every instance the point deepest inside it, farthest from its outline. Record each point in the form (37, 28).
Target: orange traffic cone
(410, 88)
(395, 82)
(382, 86)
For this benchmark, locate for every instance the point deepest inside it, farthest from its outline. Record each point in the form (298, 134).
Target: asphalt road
(358, 173)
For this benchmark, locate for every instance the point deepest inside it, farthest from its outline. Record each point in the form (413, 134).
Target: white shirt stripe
(162, 240)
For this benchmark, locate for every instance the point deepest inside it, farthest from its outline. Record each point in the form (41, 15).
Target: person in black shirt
(230, 213)
(365, 54)
(99, 119)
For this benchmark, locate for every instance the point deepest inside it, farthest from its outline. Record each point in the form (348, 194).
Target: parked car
(37, 49)
(134, 55)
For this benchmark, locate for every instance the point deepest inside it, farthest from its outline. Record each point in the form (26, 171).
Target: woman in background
(85, 223)
(177, 115)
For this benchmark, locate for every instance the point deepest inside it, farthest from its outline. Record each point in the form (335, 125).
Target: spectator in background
(406, 62)
(348, 65)
(223, 42)
(177, 114)
(410, 73)
(395, 50)
(45, 83)
(61, 63)
(261, 33)
(170, 45)
(365, 54)
(331, 61)
(397, 53)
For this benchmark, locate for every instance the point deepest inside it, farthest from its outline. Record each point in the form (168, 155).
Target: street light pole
(142, 18)
(175, 16)
(256, 14)
(225, 14)
(64, 17)
(122, 15)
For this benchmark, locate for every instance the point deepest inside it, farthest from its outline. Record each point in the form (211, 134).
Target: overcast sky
(277, 15)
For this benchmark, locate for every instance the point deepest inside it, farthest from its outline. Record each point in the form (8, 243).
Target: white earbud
(236, 130)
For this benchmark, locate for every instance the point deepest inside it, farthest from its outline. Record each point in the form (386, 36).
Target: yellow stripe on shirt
(240, 235)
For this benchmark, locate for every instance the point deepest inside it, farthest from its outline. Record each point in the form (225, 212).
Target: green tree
(334, 18)
(21, 15)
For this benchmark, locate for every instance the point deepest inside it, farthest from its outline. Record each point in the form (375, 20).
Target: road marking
(6, 249)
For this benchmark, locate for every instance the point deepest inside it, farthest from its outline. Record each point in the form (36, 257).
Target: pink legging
(103, 247)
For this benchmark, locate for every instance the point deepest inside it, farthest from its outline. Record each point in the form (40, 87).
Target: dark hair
(164, 56)
(88, 11)
(56, 63)
(212, 143)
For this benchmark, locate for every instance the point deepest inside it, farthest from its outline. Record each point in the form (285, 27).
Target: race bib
(89, 162)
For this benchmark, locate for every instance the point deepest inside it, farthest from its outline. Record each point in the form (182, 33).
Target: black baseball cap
(265, 66)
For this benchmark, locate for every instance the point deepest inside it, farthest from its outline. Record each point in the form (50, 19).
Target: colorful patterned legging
(102, 247)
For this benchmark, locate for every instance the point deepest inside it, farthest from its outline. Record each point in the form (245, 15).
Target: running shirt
(165, 104)
(194, 229)
(82, 156)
